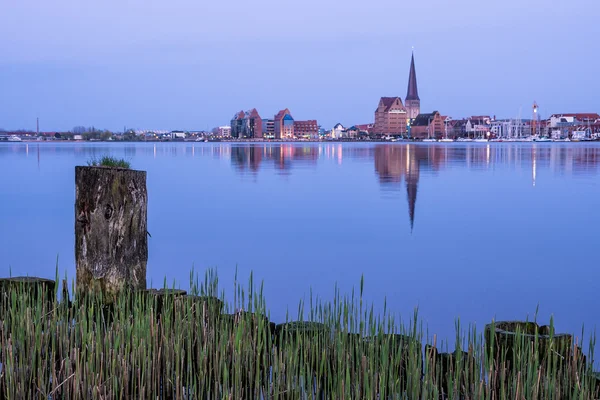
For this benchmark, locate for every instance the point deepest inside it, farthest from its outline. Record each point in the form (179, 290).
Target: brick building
(283, 125)
(224, 131)
(390, 117)
(247, 125)
(428, 126)
(306, 129)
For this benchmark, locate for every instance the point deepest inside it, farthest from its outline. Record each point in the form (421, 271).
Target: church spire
(412, 185)
(412, 93)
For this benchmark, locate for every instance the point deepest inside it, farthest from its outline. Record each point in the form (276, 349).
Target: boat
(429, 140)
(542, 139)
(481, 140)
(14, 138)
(462, 139)
(446, 140)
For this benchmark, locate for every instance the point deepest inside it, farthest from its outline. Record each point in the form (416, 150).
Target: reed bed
(170, 345)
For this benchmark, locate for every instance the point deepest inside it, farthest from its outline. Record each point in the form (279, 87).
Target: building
(427, 126)
(478, 126)
(337, 131)
(390, 117)
(574, 125)
(283, 125)
(559, 120)
(268, 126)
(247, 125)
(306, 129)
(224, 131)
(178, 135)
(365, 129)
(412, 101)
(457, 128)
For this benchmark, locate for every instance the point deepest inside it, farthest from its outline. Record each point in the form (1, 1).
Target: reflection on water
(393, 162)
(282, 157)
(560, 158)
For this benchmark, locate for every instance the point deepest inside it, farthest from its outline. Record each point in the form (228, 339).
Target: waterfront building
(338, 131)
(478, 126)
(558, 120)
(284, 125)
(457, 128)
(178, 135)
(268, 126)
(427, 126)
(390, 117)
(306, 129)
(412, 101)
(353, 132)
(365, 129)
(224, 131)
(573, 125)
(246, 125)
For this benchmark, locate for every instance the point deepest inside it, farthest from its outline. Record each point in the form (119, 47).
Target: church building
(392, 117)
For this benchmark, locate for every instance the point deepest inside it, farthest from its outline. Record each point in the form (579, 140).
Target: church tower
(412, 103)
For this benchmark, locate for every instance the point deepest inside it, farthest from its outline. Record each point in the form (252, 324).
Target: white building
(178, 135)
(224, 131)
(337, 131)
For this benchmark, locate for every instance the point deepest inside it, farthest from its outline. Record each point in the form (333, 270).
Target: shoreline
(259, 141)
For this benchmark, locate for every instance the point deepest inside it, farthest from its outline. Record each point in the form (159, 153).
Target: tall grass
(109, 161)
(163, 344)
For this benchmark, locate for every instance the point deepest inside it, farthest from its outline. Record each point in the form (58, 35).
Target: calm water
(474, 231)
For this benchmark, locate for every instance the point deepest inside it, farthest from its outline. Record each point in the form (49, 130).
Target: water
(476, 231)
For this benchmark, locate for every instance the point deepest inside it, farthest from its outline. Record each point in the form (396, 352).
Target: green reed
(162, 344)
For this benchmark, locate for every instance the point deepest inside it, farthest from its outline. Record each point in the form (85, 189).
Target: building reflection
(394, 164)
(281, 157)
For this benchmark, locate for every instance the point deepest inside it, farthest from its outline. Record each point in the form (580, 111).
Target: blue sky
(191, 64)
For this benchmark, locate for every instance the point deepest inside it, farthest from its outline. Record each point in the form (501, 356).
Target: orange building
(284, 125)
(390, 117)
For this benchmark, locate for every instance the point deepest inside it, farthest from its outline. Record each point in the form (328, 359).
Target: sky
(191, 64)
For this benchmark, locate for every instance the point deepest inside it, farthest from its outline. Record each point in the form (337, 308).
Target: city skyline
(68, 68)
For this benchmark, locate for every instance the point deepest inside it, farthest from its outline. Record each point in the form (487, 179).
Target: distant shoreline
(258, 141)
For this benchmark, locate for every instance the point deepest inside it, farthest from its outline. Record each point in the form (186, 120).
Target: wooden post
(39, 289)
(111, 237)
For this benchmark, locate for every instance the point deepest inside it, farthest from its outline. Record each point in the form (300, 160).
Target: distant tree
(78, 130)
(106, 135)
(130, 136)
(215, 131)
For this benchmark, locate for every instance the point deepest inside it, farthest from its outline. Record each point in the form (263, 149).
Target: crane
(534, 120)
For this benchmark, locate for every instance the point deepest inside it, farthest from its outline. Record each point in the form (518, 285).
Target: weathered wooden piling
(39, 289)
(445, 367)
(506, 335)
(111, 237)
